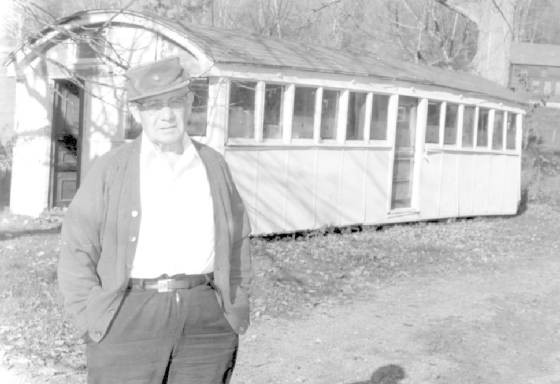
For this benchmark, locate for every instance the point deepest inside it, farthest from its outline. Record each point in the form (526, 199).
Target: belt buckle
(163, 285)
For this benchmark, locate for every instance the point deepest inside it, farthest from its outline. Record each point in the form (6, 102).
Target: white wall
(31, 156)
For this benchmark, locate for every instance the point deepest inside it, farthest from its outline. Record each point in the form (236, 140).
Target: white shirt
(177, 228)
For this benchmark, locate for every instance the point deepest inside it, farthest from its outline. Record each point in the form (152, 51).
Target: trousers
(179, 337)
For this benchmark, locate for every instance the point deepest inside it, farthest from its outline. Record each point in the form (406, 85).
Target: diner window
(498, 133)
(273, 100)
(379, 117)
(432, 124)
(536, 87)
(511, 131)
(482, 128)
(329, 113)
(241, 121)
(304, 113)
(547, 88)
(356, 116)
(198, 118)
(450, 127)
(468, 126)
(557, 89)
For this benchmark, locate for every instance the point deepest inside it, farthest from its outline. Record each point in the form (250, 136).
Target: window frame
(367, 117)
(458, 126)
(516, 124)
(317, 133)
(369, 138)
(241, 140)
(502, 128)
(317, 100)
(488, 144)
(283, 125)
(287, 109)
(441, 105)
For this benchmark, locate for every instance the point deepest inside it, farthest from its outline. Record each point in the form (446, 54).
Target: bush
(540, 176)
(6, 157)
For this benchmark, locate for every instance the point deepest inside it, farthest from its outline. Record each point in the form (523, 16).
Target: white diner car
(313, 137)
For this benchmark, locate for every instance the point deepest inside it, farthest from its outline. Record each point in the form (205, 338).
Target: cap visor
(162, 91)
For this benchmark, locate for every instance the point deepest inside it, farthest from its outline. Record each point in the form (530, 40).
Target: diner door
(403, 164)
(66, 142)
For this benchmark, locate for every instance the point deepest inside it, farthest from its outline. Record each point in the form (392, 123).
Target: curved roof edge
(219, 46)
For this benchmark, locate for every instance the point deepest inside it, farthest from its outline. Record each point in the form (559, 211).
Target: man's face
(164, 117)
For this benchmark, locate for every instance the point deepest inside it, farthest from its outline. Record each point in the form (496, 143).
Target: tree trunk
(494, 19)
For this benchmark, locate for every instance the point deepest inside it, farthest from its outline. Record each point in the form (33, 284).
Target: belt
(170, 284)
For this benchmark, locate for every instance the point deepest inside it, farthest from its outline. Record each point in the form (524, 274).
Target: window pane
(356, 116)
(557, 89)
(468, 126)
(273, 98)
(450, 128)
(432, 125)
(482, 128)
(242, 109)
(198, 119)
(405, 135)
(328, 114)
(511, 130)
(498, 134)
(304, 111)
(379, 117)
(547, 88)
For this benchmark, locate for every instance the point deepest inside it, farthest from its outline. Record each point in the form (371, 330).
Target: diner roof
(222, 46)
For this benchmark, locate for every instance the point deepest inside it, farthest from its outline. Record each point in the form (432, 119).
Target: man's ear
(133, 108)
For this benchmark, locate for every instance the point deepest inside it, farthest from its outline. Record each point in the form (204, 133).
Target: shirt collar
(150, 151)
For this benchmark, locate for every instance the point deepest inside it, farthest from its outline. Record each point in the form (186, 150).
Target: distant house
(313, 137)
(535, 68)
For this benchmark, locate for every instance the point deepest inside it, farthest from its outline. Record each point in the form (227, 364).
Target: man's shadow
(387, 374)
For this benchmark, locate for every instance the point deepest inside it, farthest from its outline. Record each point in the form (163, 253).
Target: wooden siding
(298, 189)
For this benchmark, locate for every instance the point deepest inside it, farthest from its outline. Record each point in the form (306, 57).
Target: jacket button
(97, 334)
(132, 239)
(134, 213)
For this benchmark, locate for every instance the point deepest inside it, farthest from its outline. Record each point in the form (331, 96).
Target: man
(155, 263)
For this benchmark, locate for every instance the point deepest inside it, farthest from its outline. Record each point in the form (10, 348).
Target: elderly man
(155, 261)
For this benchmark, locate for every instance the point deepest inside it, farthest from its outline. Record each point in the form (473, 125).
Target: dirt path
(500, 326)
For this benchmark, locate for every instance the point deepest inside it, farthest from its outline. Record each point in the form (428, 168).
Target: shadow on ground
(387, 374)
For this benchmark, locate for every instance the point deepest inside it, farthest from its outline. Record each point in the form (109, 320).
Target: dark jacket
(100, 231)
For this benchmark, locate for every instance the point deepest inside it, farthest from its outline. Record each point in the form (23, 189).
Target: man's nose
(166, 113)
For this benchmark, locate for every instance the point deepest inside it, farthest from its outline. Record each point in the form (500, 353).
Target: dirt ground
(499, 326)
(495, 322)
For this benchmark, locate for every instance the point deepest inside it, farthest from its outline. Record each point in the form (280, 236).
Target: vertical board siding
(448, 193)
(352, 198)
(430, 187)
(466, 184)
(299, 189)
(271, 192)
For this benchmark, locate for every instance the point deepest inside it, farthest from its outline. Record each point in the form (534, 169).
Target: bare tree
(494, 19)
